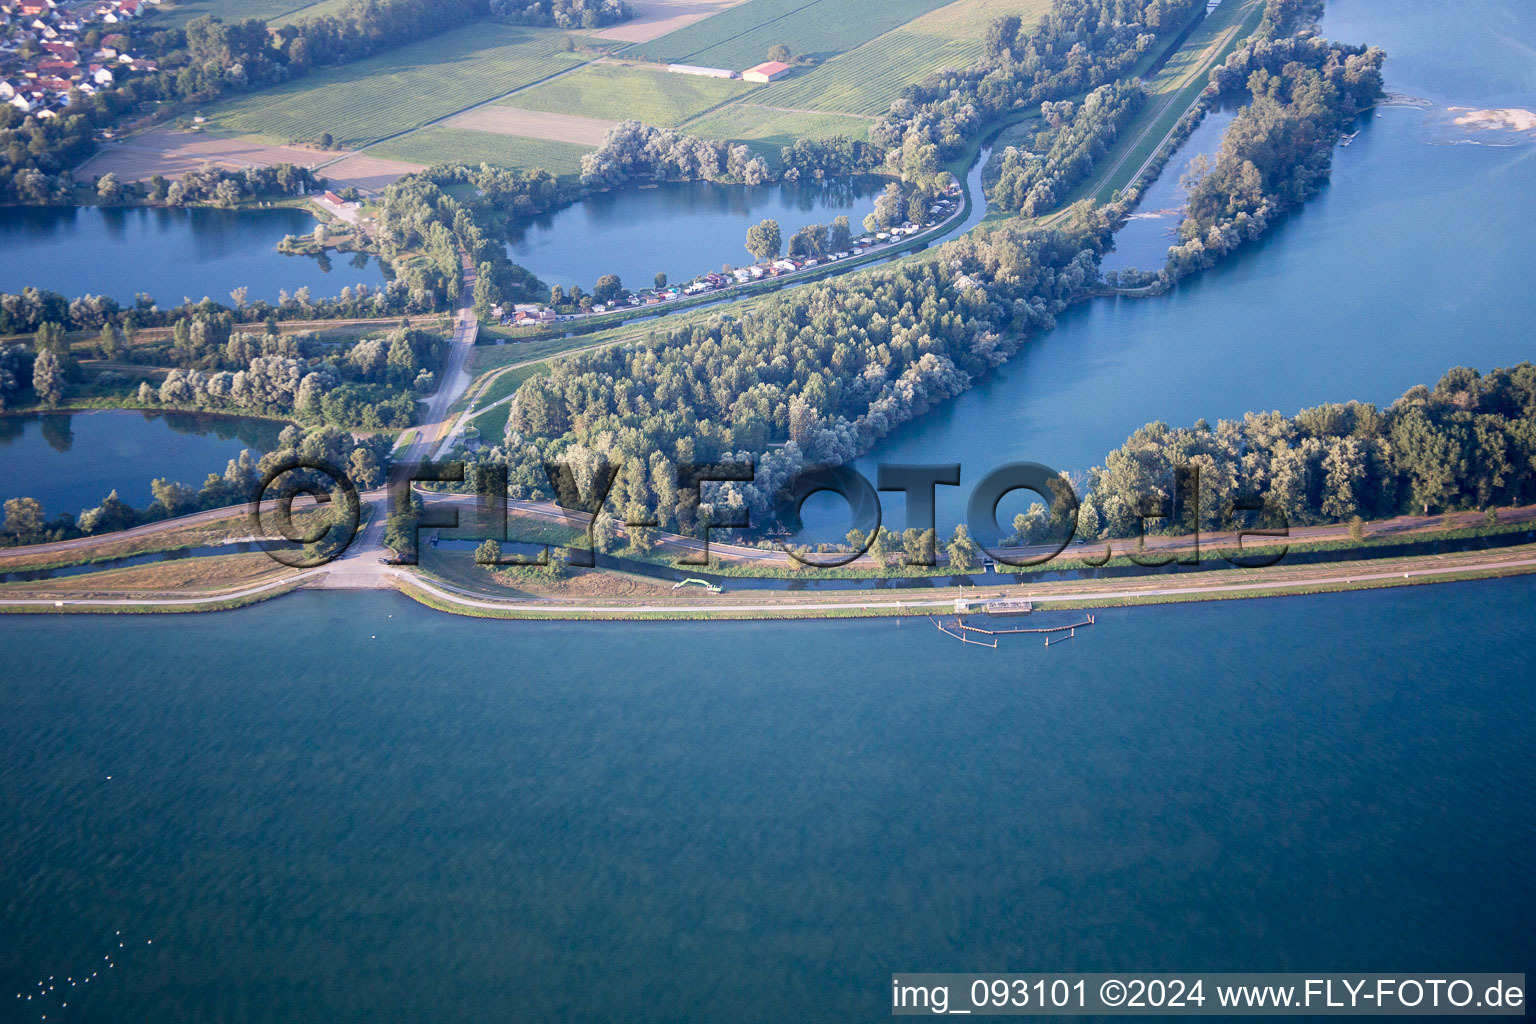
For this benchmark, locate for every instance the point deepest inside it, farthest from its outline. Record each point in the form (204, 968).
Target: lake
(313, 815)
(1416, 258)
(70, 461)
(168, 254)
(682, 229)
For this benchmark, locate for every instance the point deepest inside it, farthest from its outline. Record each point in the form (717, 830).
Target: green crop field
(322, 8)
(183, 11)
(740, 36)
(766, 130)
(968, 19)
(616, 92)
(866, 80)
(399, 90)
(439, 144)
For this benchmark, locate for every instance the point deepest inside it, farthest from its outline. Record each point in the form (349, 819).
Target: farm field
(656, 18)
(741, 36)
(393, 92)
(616, 92)
(765, 129)
(314, 10)
(867, 79)
(182, 11)
(534, 124)
(968, 19)
(439, 144)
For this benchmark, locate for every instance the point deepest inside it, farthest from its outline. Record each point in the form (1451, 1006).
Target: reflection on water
(70, 461)
(682, 229)
(167, 254)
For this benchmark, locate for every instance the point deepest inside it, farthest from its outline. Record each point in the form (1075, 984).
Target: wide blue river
(348, 808)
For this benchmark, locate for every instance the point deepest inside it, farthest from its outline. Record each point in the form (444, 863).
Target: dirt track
(535, 124)
(174, 153)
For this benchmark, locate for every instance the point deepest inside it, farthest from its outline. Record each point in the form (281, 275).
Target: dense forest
(1468, 443)
(1304, 94)
(1077, 137)
(371, 383)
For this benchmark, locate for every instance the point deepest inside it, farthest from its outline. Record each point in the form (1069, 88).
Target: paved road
(462, 599)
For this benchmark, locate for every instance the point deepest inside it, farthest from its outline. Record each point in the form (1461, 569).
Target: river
(70, 461)
(168, 254)
(348, 808)
(682, 229)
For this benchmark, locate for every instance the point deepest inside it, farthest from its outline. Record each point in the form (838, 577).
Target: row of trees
(562, 13)
(31, 308)
(633, 150)
(1080, 45)
(1077, 137)
(365, 460)
(1469, 442)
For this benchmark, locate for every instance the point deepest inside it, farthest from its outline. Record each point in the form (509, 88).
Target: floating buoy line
(959, 630)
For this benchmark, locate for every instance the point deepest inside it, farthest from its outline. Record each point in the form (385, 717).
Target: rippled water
(338, 807)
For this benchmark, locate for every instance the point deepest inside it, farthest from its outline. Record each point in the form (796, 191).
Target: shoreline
(1232, 584)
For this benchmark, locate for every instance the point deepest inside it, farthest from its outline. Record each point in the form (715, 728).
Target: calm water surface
(347, 808)
(168, 254)
(1416, 258)
(70, 461)
(682, 229)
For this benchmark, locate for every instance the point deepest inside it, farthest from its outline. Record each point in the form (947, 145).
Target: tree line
(562, 13)
(1467, 443)
(1078, 46)
(1076, 137)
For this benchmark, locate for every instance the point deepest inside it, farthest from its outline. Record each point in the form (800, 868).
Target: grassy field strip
(1180, 83)
(866, 80)
(1174, 89)
(741, 36)
(321, 8)
(401, 90)
(438, 142)
(178, 14)
(616, 92)
(970, 19)
(765, 130)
